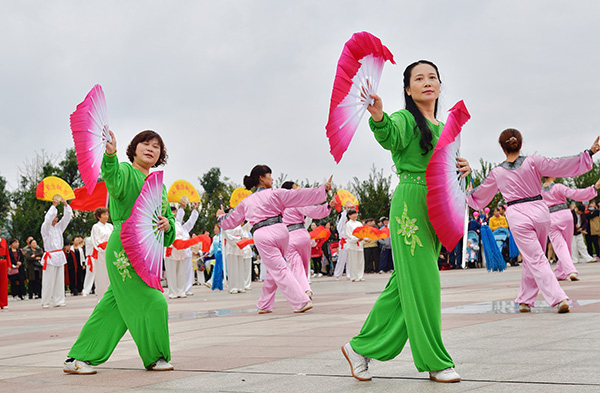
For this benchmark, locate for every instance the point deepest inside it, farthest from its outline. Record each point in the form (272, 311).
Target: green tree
(478, 178)
(374, 194)
(4, 207)
(217, 191)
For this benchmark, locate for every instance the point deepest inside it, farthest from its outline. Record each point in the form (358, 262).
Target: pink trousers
(272, 243)
(530, 224)
(561, 236)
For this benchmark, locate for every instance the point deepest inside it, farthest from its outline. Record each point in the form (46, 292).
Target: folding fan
(89, 124)
(320, 233)
(445, 188)
(342, 197)
(371, 233)
(183, 244)
(237, 195)
(142, 241)
(358, 74)
(51, 186)
(244, 242)
(180, 189)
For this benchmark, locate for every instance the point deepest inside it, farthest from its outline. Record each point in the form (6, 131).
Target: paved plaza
(220, 344)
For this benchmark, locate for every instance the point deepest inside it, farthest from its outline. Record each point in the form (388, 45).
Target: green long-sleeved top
(124, 184)
(396, 133)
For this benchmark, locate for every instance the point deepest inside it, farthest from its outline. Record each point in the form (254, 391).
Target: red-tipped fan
(371, 233)
(319, 233)
(445, 188)
(142, 241)
(358, 74)
(89, 124)
(183, 244)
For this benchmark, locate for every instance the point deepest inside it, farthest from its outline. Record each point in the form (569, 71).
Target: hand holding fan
(142, 241)
(358, 74)
(342, 198)
(89, 124)
(445, 188)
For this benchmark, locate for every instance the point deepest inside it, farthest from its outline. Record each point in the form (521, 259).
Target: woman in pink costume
(263, 209)
(561, 222)
(518, 179)
(298, 252)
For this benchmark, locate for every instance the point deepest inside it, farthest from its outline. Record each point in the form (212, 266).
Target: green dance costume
(410, 305)
(128, 304)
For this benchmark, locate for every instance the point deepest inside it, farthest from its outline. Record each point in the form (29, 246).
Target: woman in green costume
(409, 308)
(128, 304)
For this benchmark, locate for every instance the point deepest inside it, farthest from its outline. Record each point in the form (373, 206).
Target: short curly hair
(146, 136)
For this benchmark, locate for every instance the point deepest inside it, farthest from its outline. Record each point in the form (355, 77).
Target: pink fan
(142, 242)
(445, 188)
(358, 74)
(89, 124)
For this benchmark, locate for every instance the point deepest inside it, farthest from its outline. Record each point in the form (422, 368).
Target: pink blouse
(295, 215)
(267, 203)
(522, 178)
(556, 194)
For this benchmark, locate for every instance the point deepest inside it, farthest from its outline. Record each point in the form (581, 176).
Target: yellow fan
(51, 186)
(342, 197)
(183, 189)
(237, 195)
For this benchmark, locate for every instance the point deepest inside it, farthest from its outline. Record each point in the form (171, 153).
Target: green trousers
(409, 308)
(128, 304)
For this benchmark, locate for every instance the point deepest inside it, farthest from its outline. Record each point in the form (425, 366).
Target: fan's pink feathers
(343, 121)
(142, 244)
(445, 199)
(87, 125)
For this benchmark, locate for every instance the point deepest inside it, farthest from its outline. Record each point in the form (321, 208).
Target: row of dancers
(409, 308)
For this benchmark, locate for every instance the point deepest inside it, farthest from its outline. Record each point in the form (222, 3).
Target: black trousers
(372, 259)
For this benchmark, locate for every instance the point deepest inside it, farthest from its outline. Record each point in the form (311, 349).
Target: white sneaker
(573, 277)
(320, 275)
(359, 364)
(233, 291)
(563, 307)
(241, 291)
(161, 365)
(78, 367)
(189, 294)
(447, 375)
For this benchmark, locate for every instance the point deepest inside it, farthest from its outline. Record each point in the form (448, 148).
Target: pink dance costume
(528, 215)
(561, 223)
(263, 210)
(298, 252)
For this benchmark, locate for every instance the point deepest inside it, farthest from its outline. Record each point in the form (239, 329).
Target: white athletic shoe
(524, 307)
(447, 375)
(573, 277)
(78, 367)
(161, 365)
(359, 364)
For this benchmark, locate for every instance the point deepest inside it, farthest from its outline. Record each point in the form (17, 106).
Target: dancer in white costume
(187, 227)
(54, 260)
(176, 269)
(343, 248)
(247, 257)
(100, 234)
(235, 260)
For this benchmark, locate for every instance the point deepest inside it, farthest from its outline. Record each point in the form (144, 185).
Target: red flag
(83, 201)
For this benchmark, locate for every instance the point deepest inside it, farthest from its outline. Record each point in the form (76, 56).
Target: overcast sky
(237, 83)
